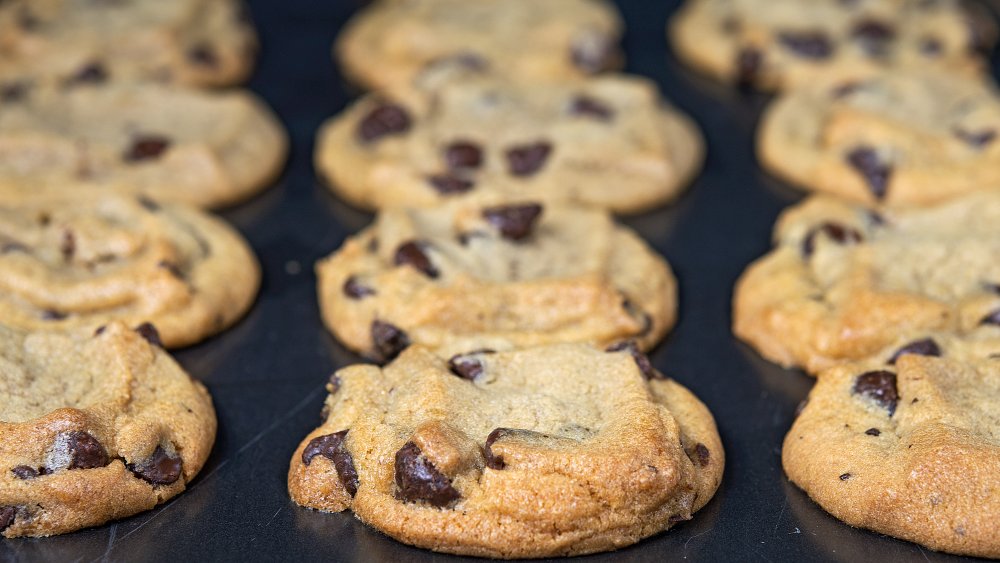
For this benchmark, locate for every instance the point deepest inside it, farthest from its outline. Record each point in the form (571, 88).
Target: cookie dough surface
(910, 450)
(780, 44)
(79, 263)
(844, 281)
(173, 144)
(551, 451)
(913, 137)
(94, 428)
(390, 43)
(466, 276)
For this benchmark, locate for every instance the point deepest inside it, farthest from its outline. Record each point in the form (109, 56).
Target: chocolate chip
(991, 319)
(203, 54)
(463, 155)
(447, 184)
(807, 44)
(528, 159)
(389, 341)
(845, 476)
(749, 61)
(68, 245)
(879, 386)
(925, 347)
(53, 315)
(977, 139)
(418, 480)
(875, 172)
(495, 461)
(24, 472)
(873, 432)
(93, 73)
(149, 332)
(7, 515)
(592, 52)
(873, 36)
(515, 222)
(13, 92)
(385, 119)
(160, 469)
(835, 231)
(412, 253)
(331, 446)
(587, 106)
(467, 366)
(354, 289)
(148, 204)
(146, 147)
(85, 451)
(641, 360)
(699, 454)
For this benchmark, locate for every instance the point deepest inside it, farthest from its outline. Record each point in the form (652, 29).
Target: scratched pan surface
(267, 373)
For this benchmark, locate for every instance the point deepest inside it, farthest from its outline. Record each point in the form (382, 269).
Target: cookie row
(517, 415)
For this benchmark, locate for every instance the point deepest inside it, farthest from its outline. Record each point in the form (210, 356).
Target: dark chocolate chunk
(845, 476)
(25, 472)
(160, 469)
(204, 54)
(494, 461)
(873, 36)
(924, 347)
(172, 268)
(835, 231)
(85, 451)
(331, 446)
(586, 106)
(146, 147)
(149, 332)
(463, 155)
(749, 61)
(641, 360)
(879, 386)
(354, 289)
(873, 432)
(991, 319)
(93, 73)
(528, 159)
(699, 454)
(448, 184)
(385, 119)
(592, 52)
(389, 341)
(977, 139)
(7, 515)
(515, 222)
(875, 172)
(466, 365)
(807, 44)
(412, 253)
(418, 480)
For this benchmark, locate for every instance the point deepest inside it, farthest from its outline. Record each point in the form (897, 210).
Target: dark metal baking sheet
(267, 374)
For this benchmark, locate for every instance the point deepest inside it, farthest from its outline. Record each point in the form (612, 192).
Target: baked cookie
(607, 141)
(79, 263)
(844, 281)
(391, 42)
(463, 276)
(191, 42)
(204, 148)
(909, 450)
(551, 451)
(94, 428)
(778, 44)
(914, 137)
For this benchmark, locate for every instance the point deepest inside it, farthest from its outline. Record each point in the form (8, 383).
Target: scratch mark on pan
(695, 536)
(111, 541)
(780, 514)
(924, 554)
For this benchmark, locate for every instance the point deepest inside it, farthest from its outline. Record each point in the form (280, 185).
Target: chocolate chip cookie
(844, 281)
(191, 42)
(914, 137)
(94, 428)
(910, 449)
(608, 141)
(558, 450)
(205, 148)
(79, 263)
(778, 44)
(391, 42)
(464, 276)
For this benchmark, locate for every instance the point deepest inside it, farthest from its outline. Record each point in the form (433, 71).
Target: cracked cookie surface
(94, 428)
(558, 450)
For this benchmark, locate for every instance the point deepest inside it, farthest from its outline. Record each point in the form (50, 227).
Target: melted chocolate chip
(991, 319)
(354, 289)
(807, 44)
(586, 106)
(412, 254)
(749, 61)
(447, 184)
(495, 461)
(977, 139)
(873, 432)
(7, 515)
(93, 73)
(389, 341)
(53, 315)
(203, 54)
(699, 454)
(526, 160)
(13, 92)
(85, 451)
(467, 366)
(845, 476)
(875, 172)
(24, 472)
(160, 469)
(385, 119)
(331, 446)
(835, 231)
(925, 347)
(641, 360)
(873, 36)
(418, 480)
(463, 155)
(879, 386)
(592, 52)
(515, 222)
(149, 332)
(146, 147)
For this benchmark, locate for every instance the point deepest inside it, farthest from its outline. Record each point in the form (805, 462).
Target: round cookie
(909, 450)
(780, 44)
(94, 428)
(204, 148)
(551, 451)
(79, 263)
(607, 141)
(390, 43)
(191, 42)
(913, 137)
(844, 282)
(464, 276)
